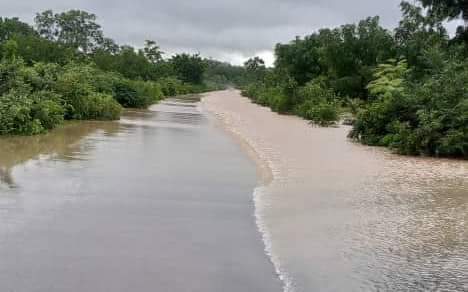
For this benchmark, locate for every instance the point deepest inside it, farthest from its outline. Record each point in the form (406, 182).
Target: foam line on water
(260, 193)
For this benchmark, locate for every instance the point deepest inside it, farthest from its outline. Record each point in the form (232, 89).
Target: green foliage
(171, 86)
(188, 68)
(150, 91)
(17, 115)
(416, 106)
(317, 104)
(322, 113)
(136, 94)
(48, 111)
(417, 37)
(344, 57)
(388, 78)
(100, 106)
(313, 101)
(74, 28)
(220, 75)
(67, 69)
(447, 9)
(10, 27)
(152, 52)
(25, 113)
(428, 118)
(10, 49)
(35, 49)
(126, 95)
(74, 84)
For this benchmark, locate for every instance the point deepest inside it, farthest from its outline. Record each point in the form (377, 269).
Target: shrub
(148, 92)
(125, 94)
(318, 104)
(15, 115)
(426, 118)
(170, 86)
(101, 106)
(315, 91)
(47, 109)
(80, 95)
(25, 114)
(275, 98)
(251, 90)
(322, 113)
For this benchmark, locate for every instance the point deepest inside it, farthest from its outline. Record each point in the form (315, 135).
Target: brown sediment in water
(341, 216)
(158, 201)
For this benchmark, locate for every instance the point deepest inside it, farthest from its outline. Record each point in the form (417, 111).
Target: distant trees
(67, 69)
(254, 64)
(255, 69)
(153, 52)
(188, 68)
(75, 28)
(10, 27)
(344, 56)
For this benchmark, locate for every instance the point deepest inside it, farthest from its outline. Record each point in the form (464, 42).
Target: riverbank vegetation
(64, 68)
(407, 88)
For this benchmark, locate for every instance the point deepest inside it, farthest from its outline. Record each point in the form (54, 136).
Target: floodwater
(338, 216)
(159, 201)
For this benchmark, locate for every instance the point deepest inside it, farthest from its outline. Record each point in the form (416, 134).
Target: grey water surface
(159, 201)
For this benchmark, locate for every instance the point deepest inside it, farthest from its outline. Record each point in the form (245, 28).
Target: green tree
(189, 68)
(10, 49)
(388, 78)
(152, 52)
(255, 68)
(254, 64)
(75, 28)
(450, 9)
(10, 27)
(418, 34)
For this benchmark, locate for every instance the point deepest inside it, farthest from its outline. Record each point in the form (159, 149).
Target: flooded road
(160, 201)
(338, 216)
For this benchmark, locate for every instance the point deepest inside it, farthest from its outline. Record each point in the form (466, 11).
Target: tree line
(406, 89)
(65, 68)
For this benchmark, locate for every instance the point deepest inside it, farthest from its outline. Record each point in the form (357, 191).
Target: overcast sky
(230, 30)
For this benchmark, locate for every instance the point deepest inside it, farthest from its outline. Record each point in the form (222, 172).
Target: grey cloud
(220, 29)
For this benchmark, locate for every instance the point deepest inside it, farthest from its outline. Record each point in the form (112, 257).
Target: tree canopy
(65, 68)
(406, 88)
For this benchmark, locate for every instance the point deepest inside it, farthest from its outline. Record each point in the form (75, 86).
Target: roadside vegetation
(64, 68)
(407, 89)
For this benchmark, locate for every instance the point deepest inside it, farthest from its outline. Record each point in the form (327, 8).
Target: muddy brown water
(338, 216)
(163, 200)
(159, 201)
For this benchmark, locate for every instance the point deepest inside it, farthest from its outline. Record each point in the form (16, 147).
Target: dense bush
(406, 90)
(317, 104)
(80, 94)
(101, 106)
(429, 118)
(149, 91)
(24, 114)
(126, 95)
(171, 86)
(313, 101)
(67, 69)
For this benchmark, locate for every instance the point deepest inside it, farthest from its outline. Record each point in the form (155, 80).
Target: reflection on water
(147, 203)
(63, 143)
(338, 216)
